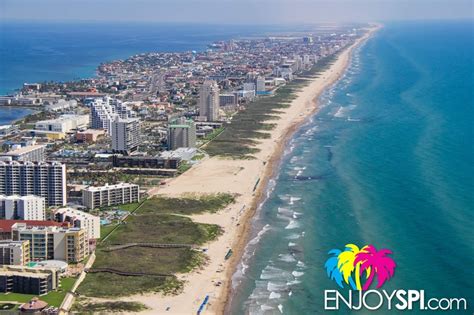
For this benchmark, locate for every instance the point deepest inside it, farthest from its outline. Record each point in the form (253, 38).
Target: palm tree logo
(351, 264)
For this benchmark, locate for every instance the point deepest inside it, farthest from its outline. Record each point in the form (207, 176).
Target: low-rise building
(79, 219)
(89, 135)
(26, 280)
(28, 207)
(64, 123)
(110, 195)
(52, 242)
(31, 153)
(14, 252)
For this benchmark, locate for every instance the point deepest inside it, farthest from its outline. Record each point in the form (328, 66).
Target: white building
(45, 179)
(125, 134)
(22, 207)
(181, 134)
(31, 153)
(105, 110)
(79, 219)
(110, 195)
(60, 105)
(64, 123)
(209, 101)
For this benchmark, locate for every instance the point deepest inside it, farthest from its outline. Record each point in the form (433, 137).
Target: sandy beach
(213, 175)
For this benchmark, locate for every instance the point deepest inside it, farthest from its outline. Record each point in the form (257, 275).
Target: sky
(236, 11)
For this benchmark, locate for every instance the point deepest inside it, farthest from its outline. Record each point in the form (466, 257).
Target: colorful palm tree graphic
(349, 265)
(331, 267)
(346, 265)
(378, 262)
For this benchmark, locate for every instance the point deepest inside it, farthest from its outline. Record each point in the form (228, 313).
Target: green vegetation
(106, 229)
(183, 167)
(53, 298)
(106, 284)
(158, 220)
(239, 138)
(130, 207)
(107, 307)
(189, 204)
(158, 261)
(160, 228)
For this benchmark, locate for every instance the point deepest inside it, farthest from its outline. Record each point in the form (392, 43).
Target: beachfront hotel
(79, 219)
(209, 101)
(17, 207)
(45, 179)
(52, 242)
(110, 195)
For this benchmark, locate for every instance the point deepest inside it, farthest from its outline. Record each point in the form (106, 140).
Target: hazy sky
(236, 11)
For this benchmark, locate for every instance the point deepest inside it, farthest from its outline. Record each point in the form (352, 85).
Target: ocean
(61, 51)
(388, 160)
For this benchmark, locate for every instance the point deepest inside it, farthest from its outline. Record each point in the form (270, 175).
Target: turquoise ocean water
(388, 161)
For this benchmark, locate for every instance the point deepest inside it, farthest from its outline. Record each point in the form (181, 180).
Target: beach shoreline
(248, 179)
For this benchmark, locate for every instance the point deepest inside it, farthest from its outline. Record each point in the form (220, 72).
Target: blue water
(60, 51)
(391, 156)
(10, 114)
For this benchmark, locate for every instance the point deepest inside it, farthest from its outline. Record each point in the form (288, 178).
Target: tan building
(209, 101)
(89, 135)
(51, 242)
(14, 252)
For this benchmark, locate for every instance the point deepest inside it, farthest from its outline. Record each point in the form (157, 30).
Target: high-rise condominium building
(125, 134)
(110, 195)
(22, 207)
(209, 101)
(105, 110)
(52, 242)
(181, 134)
(45, 179)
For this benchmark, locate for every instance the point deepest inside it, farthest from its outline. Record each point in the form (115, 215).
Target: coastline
(239, 177)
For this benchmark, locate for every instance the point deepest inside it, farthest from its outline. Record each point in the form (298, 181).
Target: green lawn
(53, 298)
(106, 229)
(126, 207)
